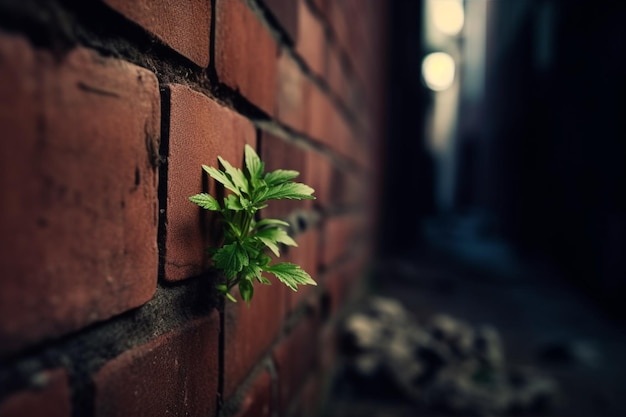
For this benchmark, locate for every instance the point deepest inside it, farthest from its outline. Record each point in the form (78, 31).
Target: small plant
(242, 256)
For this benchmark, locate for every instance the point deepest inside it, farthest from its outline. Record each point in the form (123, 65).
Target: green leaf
(252, 248)
(206, 201)
(253, 163)
(263, 261)
(270, 222)
(222, 288)
(222, 178)
(235, 175)
(231, 259)
(251, 272)
(264, 280)
(276, 235)
(232, 202)
(283, 237)
(246, 289)
(271, 245)
(280, 176)
(290, 274)
(291, 191)
(230, 297)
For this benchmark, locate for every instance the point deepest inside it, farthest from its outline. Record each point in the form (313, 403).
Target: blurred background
(506, 121)
(505, 183)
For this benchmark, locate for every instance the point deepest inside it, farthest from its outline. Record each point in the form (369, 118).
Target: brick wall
(107, 110)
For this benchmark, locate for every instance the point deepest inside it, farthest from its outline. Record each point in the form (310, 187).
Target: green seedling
(243, 256)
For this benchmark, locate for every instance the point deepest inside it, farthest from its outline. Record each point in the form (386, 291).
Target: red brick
(245, 60)
(339, 22)
(335, 76)
(51, 399)
(174, 374)
(291, 93)
(183, 26)
(326, 124)
(306, 254)
(321, 6)
(200, 131)
(278, 153)
(343, 281)
(328, 349)
(250, 330)
(319, 108)
(339, 237)
(79, 190)
(360, 32)
(258, 401)
(296, 356)
(307, 403)
(319, 174)
(286, 13)
(348, 189)
(311, 45)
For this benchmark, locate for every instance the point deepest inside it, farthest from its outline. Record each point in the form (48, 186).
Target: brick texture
(78, 188)
(291, 93)
(286, 12)
(340, 234)
(184, 26)
(174, 374)
(258, 400)
(277, 153)
(311, 45)
(250, 330)
(51, 398)
(307, 402)
(245, 60)
(295, 357)
(306, 254)
(319, 175)
(105, 126)
(340, 281)
(200, 131)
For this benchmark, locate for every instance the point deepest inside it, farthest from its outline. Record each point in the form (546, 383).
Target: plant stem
(245, 224)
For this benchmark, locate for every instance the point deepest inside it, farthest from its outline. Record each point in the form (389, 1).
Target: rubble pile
(442, 363)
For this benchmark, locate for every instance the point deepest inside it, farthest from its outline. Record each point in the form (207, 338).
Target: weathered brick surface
(342, 280)
(278, 153)
(258, 401)
(306, 254)
(338, 21)
(250, 330)
(78, 189)
(348, 188)
(184, 26)
(291, 93)
(200, 131)
(51, 398)
(295, 357)
(327, 125)
(319, 175)
(334, 75)
(311, 45)
(307, 402)
(339, 237)
(175, 374)
(286, 12)
(245, 60)
(79, 212)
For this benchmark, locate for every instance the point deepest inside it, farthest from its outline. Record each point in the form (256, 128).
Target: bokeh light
(438, 70)
(447, 16)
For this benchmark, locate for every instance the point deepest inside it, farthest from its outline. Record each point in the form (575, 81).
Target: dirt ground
(544, 322)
